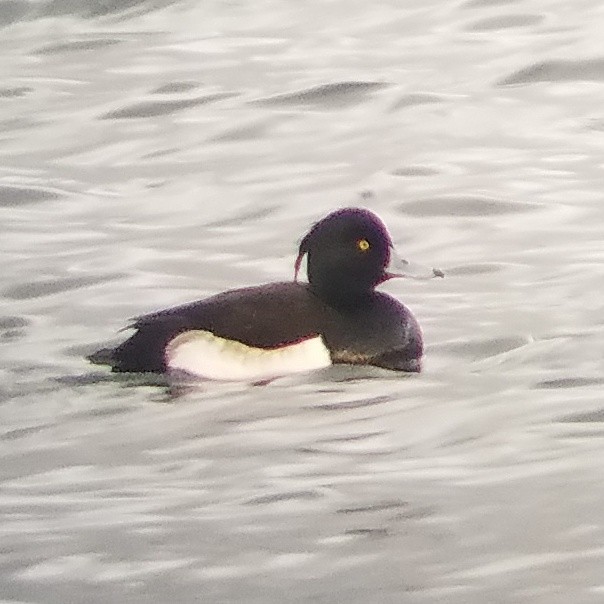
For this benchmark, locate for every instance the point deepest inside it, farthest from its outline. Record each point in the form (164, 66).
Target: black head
(348, 252)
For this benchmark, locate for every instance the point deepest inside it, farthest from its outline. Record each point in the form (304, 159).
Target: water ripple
(49, 287)
(146, 109)
(18, 91)
(77, 46)
(11, 196)
(464, 205)
(176, 87)
(412, 100)
(562, 70)
(505, 22)
(336, 94)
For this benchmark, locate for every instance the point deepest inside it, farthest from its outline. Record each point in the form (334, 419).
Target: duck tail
(104, 356)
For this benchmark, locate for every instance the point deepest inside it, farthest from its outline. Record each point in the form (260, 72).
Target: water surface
(157, 152)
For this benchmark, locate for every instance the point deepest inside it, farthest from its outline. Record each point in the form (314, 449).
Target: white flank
(204, 355)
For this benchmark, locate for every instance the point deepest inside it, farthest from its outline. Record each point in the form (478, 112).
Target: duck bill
(399, 267)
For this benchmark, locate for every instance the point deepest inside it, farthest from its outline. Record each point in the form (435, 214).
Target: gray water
(154, 152)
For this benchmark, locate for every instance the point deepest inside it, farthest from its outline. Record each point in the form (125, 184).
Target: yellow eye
(363, 245)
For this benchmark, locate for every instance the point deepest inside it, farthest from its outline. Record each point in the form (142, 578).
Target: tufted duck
(269, 330)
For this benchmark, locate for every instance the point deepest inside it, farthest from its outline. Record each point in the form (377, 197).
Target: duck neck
(341, 295)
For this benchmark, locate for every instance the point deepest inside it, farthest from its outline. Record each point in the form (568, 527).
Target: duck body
(381, 332)
(337, 317)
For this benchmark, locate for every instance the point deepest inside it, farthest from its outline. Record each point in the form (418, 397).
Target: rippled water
(163, 151)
